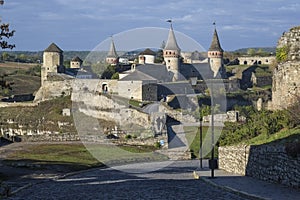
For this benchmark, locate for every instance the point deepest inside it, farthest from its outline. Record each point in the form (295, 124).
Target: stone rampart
(286, 84)
(266, 162)
(256, 60)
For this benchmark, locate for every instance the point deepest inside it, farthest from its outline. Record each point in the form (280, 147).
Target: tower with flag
(215, 56)
(171, 55)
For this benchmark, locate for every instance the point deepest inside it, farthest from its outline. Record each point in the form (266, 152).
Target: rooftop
(53, 48)
(215, 44)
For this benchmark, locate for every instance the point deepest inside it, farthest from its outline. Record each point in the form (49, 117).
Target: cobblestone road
(173, 182)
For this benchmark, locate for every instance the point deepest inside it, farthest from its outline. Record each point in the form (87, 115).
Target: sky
(84, 24)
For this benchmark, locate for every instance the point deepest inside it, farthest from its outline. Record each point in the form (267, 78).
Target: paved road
(173, 182)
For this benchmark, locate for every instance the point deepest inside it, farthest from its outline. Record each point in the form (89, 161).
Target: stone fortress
(177, 75)
(286, 84)
(145, 81)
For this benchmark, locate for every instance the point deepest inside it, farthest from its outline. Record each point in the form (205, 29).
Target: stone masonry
(266, 162)
(286, 84)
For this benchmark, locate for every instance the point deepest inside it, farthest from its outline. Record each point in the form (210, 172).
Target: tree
(5, 33)
(251, 52)
(5, 56)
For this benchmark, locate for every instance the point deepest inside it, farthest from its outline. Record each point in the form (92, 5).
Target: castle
(146, 80)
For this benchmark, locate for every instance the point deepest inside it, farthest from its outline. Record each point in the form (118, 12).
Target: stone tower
(171, 55)
(112, 56)
(52, 61)
(215, 57)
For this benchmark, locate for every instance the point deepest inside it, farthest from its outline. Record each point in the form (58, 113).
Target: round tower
(52, 61)
(171, 55)
(215, 57)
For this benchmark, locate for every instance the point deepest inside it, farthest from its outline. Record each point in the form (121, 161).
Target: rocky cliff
(286, 82)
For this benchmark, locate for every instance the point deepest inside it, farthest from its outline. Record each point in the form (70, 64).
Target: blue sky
(83, 24)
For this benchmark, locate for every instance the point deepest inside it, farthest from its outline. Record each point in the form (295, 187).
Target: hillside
(265, 49)
(44, 116)
(22, 78)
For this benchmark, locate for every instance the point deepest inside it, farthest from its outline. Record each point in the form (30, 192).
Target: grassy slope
(44, 116)
(22, 82)
(283, 136)
(193, 138)
(72, 156)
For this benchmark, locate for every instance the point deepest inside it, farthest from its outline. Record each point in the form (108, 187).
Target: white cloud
(233, 28)
(292, 7)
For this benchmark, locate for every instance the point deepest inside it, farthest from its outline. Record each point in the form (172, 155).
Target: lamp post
(201, 133)
(212, 161)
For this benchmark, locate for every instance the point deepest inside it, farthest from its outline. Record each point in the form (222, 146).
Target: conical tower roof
(215, 44)
(53, 48)
(171, 42)
(112, 53)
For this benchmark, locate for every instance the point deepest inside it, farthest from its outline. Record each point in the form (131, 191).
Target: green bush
(157, 145)
(263, 122)
(282, 53)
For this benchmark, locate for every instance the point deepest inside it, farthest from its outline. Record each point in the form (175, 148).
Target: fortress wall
(266, 162)
(258, 59)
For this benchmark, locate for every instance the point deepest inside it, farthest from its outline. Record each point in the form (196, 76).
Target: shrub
(282, 53)
(157, 145)
(258, 123)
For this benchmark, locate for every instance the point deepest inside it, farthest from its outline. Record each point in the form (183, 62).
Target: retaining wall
(266, 162)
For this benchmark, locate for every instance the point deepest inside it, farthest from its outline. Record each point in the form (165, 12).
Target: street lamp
(1, 2)
(212, 161)
(201, 133)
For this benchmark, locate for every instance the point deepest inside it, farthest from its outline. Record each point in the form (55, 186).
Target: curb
(237, 192)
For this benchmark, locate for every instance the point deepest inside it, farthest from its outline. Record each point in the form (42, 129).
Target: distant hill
(266, 49)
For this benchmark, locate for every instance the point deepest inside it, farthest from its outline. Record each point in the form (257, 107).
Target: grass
(75, 156)
(138, 149)
(78, 157)
(43, 116)
(111, 154)
(17, 73)
(24, 84)
(283, 136)
(193, 138)
(134, 103)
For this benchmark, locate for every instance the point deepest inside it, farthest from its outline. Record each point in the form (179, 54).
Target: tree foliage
(6, 33)
(258, 122)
